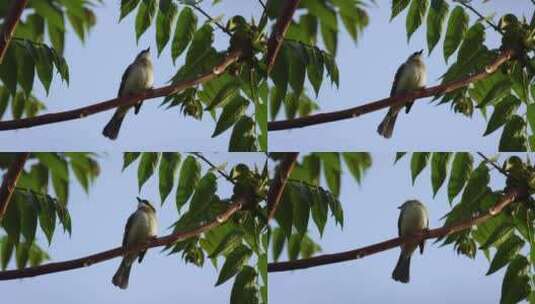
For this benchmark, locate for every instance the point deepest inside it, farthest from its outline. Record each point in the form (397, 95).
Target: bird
(141, 226)
(413, 218)
(139, 76)
(411, 75)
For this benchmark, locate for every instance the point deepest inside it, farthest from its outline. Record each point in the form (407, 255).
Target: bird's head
(409, 203)
(416, 55)
(144, 204)
(145, 54)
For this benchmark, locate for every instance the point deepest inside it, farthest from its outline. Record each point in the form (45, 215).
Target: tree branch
(116, 252)
(10, 181)
(279, 182)
(10, 22)
(129, 100)
(391, 101)
(277, 36)
(325, 259)
(492, 163)
(205, 14)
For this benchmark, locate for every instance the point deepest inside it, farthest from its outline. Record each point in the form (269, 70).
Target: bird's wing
(396, 79)
(123, 80)
(399, 222)
(127, 228)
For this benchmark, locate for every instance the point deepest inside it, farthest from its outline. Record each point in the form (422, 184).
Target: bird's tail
(120, 279)
(401, 272)
(111, 130)
(386, 127)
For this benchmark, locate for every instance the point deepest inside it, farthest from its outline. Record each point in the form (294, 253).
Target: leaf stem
(219, 170)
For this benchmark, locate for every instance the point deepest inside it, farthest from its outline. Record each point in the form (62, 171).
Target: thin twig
(359, 253)
(279, 183)
(264, 6)
(9, 24)
(127, 100)
(10, 180)
(223, 173)
(390, 101)
(221, 27)
(116, 252)
(488, 160)
(471, 8)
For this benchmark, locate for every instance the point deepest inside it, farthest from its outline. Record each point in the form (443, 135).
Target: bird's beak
(148, 49)
(139, 199)
(421, 52)
(400, 207)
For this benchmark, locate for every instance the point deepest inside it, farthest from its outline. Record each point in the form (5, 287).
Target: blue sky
(96, 68)
(98, 224)
(366, 74)
(370, 216)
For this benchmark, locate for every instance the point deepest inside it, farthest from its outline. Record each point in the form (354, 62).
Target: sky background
(98, 221)
(370, 216)
(366, 74)
(96, 68)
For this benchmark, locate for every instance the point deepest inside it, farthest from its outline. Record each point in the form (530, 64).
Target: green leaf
(399, 155)
(11, 222)
(301, 208)
(476, 187)
(415, 16)
(531, 116)
(28, 209)
(168, 166)
(278, 243)
(500, 234)
(166, 14)
(457, 25)
(319, 211)
(332, 171)
(8, 71)
(61, 188)
(284, 213)
(294, 246)
(233, 263)
(200, 44)
(398, 6)
(439, 169)
(503, 112)
(26, 70)
(17, 105)
(435, 22)
(515, 285)
(189, 177)
(498, 91)
(505, 253)
(129, 157)
(315, 68)
(244, 289)
(229, 242)
(47, 218)
(145, 14)
(57, 165)
(472, 43)
(147, 164)
(418, 162)
(44, 65)
(513, 138)
(460, 171)
(7, 250)
(330, 38)
(232, 112)
(357, 163)
(185, 28)
(226, 93)
(127, 6)
(298, 61)
(23, 254)
(243, 137)
(204, 193)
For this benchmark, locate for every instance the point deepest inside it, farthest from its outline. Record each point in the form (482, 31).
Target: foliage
(502, 239)
(304, 197)
(238, 241)
(28, 54)
(31, 204)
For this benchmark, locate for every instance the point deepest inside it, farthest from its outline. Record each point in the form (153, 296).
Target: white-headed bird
(138, 77)
(141, 226)
(410, 76)
(413, 218)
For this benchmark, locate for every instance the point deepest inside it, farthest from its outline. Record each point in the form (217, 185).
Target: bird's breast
(139, 79)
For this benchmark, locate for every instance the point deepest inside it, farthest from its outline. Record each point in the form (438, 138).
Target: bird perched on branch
(410, 76)
(413, 218)
(139, 76)
(141, 226)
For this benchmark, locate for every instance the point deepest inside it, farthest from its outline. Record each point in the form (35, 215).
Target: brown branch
(492, 163)
(279, 183)
(130, 100)
(116, 252)
(10, 181)
(10, 22)
(391, 101)
(473, 10)
(214, 167)
(277, 36)
(325, 259)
